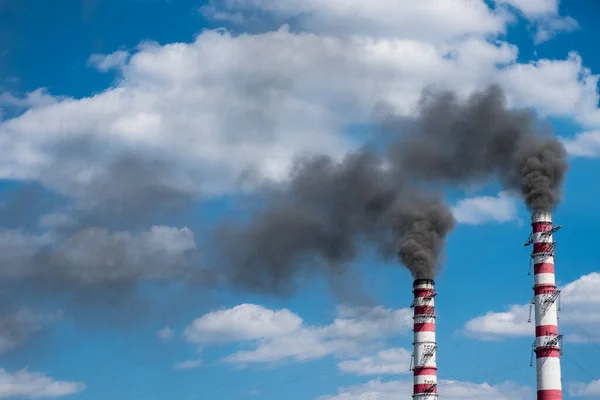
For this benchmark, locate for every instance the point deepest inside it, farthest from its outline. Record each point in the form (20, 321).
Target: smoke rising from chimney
(478, 139)
(330, 209)
(326, 214)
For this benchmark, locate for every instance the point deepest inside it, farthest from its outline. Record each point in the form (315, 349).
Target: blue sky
(125, 127)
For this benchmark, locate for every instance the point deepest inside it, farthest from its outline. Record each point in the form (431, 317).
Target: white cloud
(280, 334)
(482, 209)
(548, 86)
(226, 104)
(545, 17)
(580, 322)
(585, 144)
(165, 334)
(548, 28)
(591, 389)
(580, 303)
(189, 364)
(452, 390)
(498, 325)
(243, 322)
(31, 385)
(388, 361)
(421, 20)
(37, 98)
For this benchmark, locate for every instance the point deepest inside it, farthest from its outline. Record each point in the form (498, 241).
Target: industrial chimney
(545, 301)
(425, 346)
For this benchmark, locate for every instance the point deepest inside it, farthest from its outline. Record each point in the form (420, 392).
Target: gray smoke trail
(329, 211)
(459, 142)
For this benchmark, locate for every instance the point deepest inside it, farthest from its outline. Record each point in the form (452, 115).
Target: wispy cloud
(165, 334)
(106, 62)
(388, 361)
(18, 327)
(544, 16)
(189, 364)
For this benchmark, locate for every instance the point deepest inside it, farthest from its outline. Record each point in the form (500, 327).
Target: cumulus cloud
(32, 385)
(37, 98)
(590, 390)
(580, 322)
(243, 322)
(388, 361)
(276, 335)
(580, 304)
(482, 209)
(584, 144)
(434, 22)
(499, 325)
(291, 93)
(453, 390)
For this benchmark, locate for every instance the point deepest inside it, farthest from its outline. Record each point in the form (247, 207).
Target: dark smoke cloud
(422, 226)
(329, 211)
(542, 170)
(481, 138)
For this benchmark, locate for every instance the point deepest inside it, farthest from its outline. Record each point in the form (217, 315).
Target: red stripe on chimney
(425, 327)
(424, 310)
(542, 247)
(423, 292)
(549, 395)
(424, 388)
(541, 227)
(544, 289)
(545, 352)
(543, 268)
(424, 371)
(546, 330)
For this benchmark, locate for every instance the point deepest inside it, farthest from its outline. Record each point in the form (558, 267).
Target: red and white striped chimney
(425, 346)
(547, 338)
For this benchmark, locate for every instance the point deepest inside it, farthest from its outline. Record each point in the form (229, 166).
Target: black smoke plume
(478, 139)
(330, 209)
